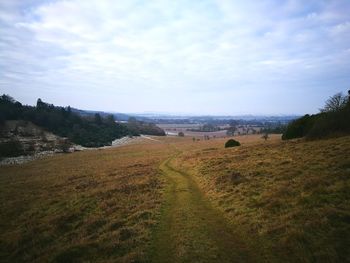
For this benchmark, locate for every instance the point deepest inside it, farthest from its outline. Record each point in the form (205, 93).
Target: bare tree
(335, 103)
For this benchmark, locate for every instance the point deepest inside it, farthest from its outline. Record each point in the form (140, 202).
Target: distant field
(179, 126)
(177, 200)
(174, 129)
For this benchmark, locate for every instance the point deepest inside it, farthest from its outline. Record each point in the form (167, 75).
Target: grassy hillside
(87, 206)
(175, 200)
(293, 198)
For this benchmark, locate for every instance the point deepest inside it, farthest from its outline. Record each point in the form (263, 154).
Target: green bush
(232, 143)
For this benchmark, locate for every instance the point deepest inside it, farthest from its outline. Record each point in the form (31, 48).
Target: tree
(8, 98)
(208, 128)
(98, 119)
(233, 123)
(110, 119)
(231, 131)
(335, 103)
(265, 136)
(132, 120)
(40, 104)
(299, 127)
(69, 110)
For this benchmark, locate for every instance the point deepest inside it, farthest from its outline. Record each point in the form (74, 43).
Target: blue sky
(198, 57)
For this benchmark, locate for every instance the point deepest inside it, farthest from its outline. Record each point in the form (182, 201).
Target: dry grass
(87, 206)
(293, 198)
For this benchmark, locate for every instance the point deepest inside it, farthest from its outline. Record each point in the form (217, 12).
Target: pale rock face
(35, 143)
(30, 142)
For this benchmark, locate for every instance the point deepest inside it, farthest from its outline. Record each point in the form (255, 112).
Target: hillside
(89, 131)
(332, 121)
(94, 206)
(291, 197)
(19, 138)
(175, 200)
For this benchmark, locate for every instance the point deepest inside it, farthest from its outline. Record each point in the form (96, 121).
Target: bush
(11, 148)
(299, 127)
(181, 134)
(232, 143)
(64, 145)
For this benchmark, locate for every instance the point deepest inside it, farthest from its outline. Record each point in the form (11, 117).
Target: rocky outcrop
(23, 138)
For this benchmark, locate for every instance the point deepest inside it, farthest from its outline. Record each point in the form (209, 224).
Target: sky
(204, 57)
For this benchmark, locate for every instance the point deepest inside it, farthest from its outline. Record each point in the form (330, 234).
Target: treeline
(206, 128)
(136, 127)
(274, 129)
(333, 120)
(89, 131)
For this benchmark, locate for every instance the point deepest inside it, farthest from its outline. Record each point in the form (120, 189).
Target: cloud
(196, 56)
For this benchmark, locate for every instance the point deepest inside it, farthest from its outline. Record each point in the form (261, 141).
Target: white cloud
(68, 51)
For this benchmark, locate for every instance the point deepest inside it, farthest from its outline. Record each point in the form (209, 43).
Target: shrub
(232, 143)
(64, 145)
(181, 134)
(11, 148)
(300, 127)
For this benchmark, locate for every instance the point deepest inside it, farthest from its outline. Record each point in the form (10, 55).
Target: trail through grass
(191, 230)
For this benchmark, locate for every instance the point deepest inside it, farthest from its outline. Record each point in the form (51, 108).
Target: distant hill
(117, 116)
(218, 120)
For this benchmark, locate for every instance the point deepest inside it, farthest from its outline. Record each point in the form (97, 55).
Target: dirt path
(190, 229)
